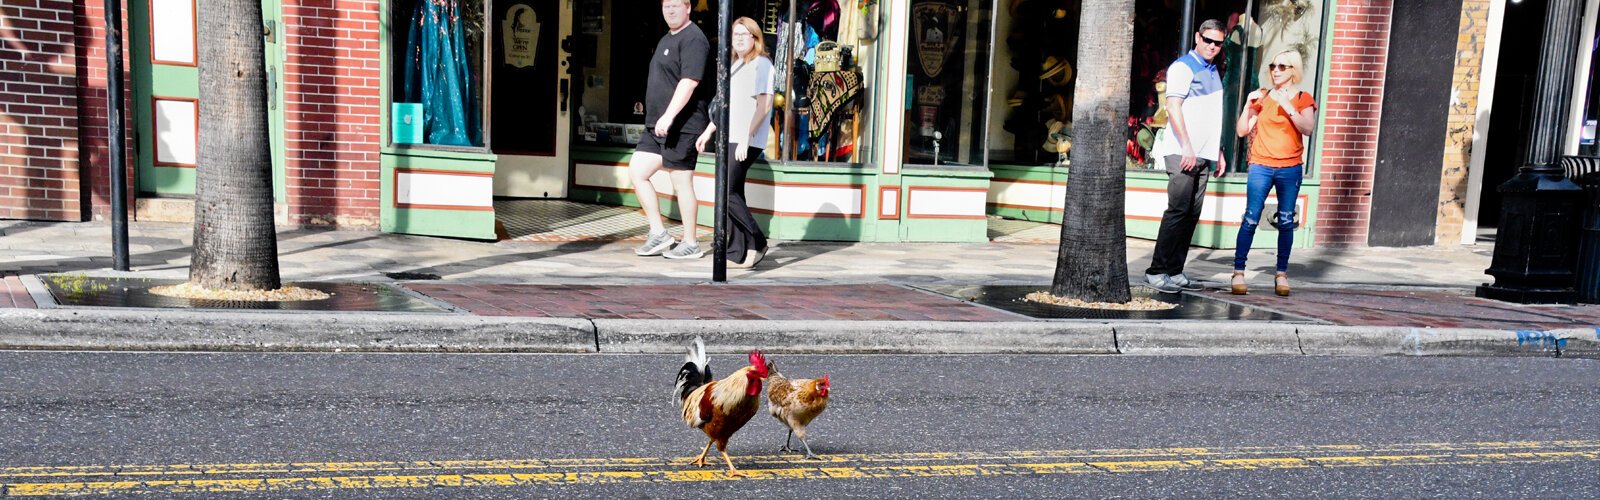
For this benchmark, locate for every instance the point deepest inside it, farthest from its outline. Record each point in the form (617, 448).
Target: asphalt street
(341, 425)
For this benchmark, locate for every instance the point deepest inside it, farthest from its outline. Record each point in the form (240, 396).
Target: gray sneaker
(1161, 283)
(1183, 281)
(689, 250)
(654, 244)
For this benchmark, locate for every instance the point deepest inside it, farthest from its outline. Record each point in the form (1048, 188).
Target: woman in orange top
(1276, 120)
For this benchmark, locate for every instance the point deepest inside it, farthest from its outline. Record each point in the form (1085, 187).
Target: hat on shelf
(1059, 137)
(1056, 70)
(1058, 107)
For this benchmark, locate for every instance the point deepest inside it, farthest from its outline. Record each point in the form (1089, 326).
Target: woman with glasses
(749, 113)
(1276, 119)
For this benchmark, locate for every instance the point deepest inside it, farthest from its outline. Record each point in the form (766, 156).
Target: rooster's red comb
(757, 360)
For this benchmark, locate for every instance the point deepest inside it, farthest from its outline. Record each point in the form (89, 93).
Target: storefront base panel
(437, 193)
(1223, 210)
(1030, 193)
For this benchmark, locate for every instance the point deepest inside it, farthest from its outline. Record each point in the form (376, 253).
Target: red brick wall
(331, 78)
(93, 107)
(1350, 133)
(38, 112)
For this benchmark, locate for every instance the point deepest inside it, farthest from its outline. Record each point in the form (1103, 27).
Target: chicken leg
(732, 472)
(786, 442)
(809, 455)
(701, 460)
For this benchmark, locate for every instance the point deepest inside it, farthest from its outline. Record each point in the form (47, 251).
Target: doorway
(1509, 123)
(529, 95)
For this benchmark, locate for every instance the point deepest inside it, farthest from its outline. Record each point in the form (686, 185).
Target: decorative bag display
(828, 57)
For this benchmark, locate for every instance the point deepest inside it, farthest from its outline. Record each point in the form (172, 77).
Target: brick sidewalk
(711, 302)
(1421, 309)
(13, 294)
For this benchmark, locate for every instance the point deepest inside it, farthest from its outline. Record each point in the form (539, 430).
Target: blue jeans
(1284, 180)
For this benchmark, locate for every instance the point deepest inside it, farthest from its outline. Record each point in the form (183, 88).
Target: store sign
(934, 25)
(520, 33)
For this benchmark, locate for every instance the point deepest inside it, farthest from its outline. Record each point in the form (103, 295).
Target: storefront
(897, 120)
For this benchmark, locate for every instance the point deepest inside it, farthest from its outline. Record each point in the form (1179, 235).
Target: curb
(270, 331)
(158, 329)
(1390, 341)
(839, 337)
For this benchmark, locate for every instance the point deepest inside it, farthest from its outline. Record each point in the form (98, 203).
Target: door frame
(153, 80)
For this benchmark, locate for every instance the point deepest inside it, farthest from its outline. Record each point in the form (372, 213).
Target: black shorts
(676, 149)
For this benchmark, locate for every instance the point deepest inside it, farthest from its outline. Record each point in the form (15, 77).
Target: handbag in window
(828, 57)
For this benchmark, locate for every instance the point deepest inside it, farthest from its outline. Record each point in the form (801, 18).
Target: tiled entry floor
(565, 220)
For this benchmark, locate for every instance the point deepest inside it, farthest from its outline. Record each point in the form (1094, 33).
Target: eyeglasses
(743, 35)
(1211, 41)
(1277, 67)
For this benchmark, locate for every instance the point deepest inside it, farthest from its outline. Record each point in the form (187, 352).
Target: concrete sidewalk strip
(832, 337)
(157, 329)
(1190, 338)
(1328, 340)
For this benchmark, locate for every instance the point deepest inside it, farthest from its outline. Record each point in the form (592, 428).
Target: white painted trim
(172, 31)
(947, 203)
(889, 205)
(175, 132)
(1580, 84)
(438, 189)
(1480, 130)
(894, 84)
(1026, 194)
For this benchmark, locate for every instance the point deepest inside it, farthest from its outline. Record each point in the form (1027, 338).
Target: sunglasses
(1276, 67)
(1211, 41)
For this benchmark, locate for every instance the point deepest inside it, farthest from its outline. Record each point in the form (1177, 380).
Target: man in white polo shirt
(1190, 149)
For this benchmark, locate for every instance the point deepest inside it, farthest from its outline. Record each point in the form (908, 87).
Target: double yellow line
(257, 477)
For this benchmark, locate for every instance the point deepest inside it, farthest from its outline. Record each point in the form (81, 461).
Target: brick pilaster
(331, 81)
(1350, 134)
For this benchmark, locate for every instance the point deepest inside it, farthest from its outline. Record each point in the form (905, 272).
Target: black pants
(1186, 191)
(743, 232)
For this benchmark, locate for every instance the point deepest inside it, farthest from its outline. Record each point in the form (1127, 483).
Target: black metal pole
(1186, 36)
(719, 222)
(114, 132)
(1535, 247)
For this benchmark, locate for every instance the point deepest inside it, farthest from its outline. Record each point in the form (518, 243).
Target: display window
(947, 79)
(1035, 58)
(1255, 31)
(461, 70)
(822, 71)
(436, 75)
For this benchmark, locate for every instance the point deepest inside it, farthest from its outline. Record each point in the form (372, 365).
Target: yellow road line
(150, 480)
(766, 460)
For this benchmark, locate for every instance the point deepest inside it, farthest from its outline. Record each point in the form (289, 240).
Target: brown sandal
(1280, 284)
(1239, 287)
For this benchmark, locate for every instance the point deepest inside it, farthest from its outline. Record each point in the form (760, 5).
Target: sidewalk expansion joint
(594, 328)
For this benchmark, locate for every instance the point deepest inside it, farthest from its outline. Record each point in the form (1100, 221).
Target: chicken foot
(809, 455)
(701, 460)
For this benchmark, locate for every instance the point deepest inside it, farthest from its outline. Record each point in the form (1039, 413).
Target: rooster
(718, 407)
(796, 403)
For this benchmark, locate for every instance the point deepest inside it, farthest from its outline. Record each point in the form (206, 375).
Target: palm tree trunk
(235, 246)
(1092, 264)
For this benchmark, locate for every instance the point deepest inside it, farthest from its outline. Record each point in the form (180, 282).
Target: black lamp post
(1536, 245)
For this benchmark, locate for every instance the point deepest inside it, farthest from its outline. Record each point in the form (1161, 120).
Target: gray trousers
(1186, 192)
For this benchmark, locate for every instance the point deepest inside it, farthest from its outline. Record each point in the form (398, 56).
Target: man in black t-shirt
(675, 112)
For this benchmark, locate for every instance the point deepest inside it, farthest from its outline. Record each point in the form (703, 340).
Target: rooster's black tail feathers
(696, 371)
